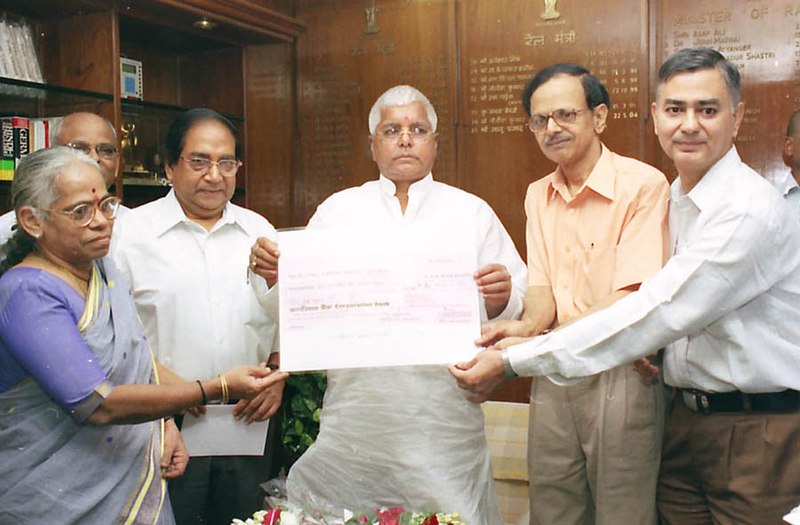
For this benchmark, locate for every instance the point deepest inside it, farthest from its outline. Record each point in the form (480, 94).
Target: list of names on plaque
(763, 40)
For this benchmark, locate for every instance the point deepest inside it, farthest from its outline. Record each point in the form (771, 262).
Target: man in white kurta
(407, 435)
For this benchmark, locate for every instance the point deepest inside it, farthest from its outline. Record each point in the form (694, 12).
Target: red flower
(389, 516)
(271, 517)
(433, 520)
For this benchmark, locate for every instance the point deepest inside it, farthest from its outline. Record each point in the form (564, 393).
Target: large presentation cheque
(392, 297)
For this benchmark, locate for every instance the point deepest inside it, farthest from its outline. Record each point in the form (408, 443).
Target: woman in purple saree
(80, 405)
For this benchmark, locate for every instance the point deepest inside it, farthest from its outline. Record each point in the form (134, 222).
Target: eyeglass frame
(94, 207)
(207, 169)
(87, 148)
(381, 134)
(558, 121)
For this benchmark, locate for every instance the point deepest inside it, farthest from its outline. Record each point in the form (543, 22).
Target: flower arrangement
(384, 516)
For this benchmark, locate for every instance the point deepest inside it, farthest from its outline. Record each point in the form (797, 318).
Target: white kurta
(406, 436)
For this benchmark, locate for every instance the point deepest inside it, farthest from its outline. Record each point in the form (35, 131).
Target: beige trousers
(594, 450)
(729, 469)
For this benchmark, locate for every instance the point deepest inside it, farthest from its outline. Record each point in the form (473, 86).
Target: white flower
(289, 518)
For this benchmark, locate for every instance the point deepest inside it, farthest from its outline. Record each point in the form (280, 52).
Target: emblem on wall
(550, 12)
(372, 22)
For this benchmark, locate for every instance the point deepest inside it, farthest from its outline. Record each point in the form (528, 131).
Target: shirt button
(567, 249)
(572, 211)
(564, 286)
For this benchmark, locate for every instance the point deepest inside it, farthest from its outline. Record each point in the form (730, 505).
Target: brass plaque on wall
(503, 44)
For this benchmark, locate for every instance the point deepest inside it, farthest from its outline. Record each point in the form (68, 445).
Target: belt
(733, 402)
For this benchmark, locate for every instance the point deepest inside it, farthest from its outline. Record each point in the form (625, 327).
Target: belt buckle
(696, 401)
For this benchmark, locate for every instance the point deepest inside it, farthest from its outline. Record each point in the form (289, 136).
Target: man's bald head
(90, 132)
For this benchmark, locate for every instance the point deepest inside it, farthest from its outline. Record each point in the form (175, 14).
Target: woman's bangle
(224, 385)
(204, 400)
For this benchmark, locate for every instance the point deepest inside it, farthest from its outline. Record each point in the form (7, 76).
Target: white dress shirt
(785, 183)
(727, 303)
(197, 300)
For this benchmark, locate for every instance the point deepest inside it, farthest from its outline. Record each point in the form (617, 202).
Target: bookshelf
(80, 42)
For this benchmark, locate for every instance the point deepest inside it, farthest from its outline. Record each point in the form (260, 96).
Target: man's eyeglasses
(202, 165)
(417, 133)
(105, 151)
(83, 214)
(563, 117)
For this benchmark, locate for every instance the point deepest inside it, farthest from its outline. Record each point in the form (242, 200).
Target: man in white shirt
(726, 305)
(86, 132)
(186, 256)
(406, 435)
(786, 182)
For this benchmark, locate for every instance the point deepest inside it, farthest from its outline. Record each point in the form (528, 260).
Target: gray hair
(692, 59)
(58, 122)
(35, 181)
(35, 184)
(400, 96)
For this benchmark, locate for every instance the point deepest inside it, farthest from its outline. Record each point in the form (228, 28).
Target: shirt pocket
(595, 275)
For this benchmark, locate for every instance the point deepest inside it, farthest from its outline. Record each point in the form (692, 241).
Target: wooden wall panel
(348, 56)
(212, 79)
(502, 45)
(763, 39)
(76, 51)
(269, 139)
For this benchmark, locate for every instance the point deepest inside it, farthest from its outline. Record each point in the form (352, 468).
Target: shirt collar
(713, 184)
(171, 214)
(600, 180)
(421, 186)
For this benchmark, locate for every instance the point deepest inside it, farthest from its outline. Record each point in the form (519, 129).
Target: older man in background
(86, 132)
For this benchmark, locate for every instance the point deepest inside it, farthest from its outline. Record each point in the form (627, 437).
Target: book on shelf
(39, 133)
(18, 58)
(7, 160)
(21, 136)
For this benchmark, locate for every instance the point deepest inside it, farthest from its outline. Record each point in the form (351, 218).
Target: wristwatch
(510, 373)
